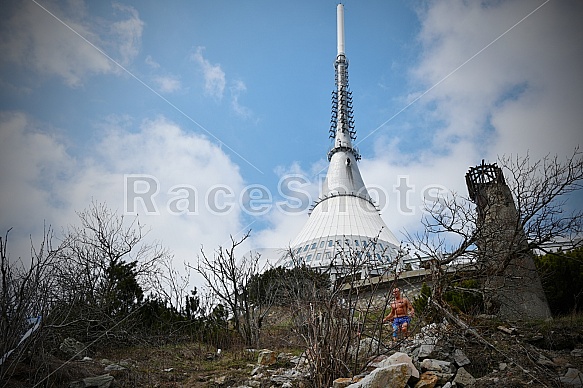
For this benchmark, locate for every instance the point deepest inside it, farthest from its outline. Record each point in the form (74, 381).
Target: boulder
(400, 358)
(463, 378)
(430, 364)
(427, 380)
(460, 358)
(103, 381)
(394, 376)
(266, 357)
(573, 378)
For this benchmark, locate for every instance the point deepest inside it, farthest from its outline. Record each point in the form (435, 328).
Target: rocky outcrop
(420, 362)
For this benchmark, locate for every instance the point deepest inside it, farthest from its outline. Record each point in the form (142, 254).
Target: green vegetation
(465, 296)
(562, 277)
(281, 286)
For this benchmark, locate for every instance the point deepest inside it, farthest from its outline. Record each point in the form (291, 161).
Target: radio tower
(344, 219)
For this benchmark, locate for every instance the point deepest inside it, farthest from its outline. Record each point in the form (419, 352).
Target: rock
(427, 380)
(463, 378)
(577, 352)
(430, 364)
(425, 351)
(113, 367)
(286, 377)
(460, 358)
(342, 382)
(103, 381)
(443, 377)
(267, 357)
(400, 358)
(128, 363)
(507, 330)
(376, 362)
(73, 348)
(573, 378)
(394, 376)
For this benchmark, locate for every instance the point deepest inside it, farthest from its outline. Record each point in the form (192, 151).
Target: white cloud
(127, 33)
(236, 89)
(36, 39)
(521, 93)
(214, 76)
(43, 182)
(167, 84)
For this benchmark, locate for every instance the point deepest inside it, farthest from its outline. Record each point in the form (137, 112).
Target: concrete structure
(505, 260)
(344, 220)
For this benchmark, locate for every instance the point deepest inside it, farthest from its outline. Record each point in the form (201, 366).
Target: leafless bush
(26, 293)
(228, 277)
(342, 326)
(105, 269)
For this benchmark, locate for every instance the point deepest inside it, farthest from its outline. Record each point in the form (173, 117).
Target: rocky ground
(484, 353)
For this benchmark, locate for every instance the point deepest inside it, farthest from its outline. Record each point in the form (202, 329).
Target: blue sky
(226, 98)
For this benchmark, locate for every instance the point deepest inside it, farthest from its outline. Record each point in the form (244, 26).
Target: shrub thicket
(562, 277)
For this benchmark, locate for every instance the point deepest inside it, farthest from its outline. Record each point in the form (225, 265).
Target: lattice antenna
(342, 118)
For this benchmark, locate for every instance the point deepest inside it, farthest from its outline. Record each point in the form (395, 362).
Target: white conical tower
(345, 218)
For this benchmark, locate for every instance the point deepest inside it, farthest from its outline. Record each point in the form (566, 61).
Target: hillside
(500, 354)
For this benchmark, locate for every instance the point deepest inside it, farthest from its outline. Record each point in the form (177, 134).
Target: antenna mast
(342, 122)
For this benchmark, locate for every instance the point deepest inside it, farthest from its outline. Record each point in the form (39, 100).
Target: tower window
(314, 245)
(318, 257)
(330, 243)
(309, 258)
(322, 243)
(306, 247)
(356, 242)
